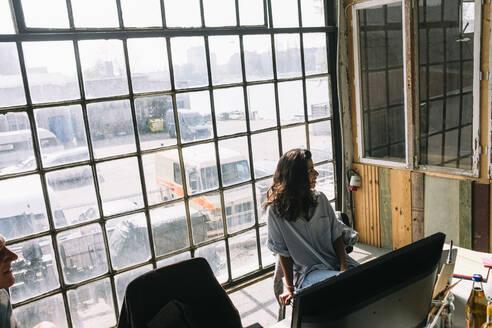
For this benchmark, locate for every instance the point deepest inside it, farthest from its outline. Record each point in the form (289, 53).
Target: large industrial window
(135, 134)
(445, 123)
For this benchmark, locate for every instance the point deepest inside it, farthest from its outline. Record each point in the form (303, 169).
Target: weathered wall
(396, 206)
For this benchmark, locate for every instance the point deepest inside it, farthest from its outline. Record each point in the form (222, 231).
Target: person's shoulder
(4, 296)
(320, 197)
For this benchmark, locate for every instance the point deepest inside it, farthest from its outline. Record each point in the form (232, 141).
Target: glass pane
(23, 210)
(92, 305)
(82, 253)
(285, 13)
(148, 64)
(122, 280)
(103, 68)
(141, 13)
(174, 259)
(251, 12)
(267, 257)
(265, 153)
(325, 181)
(258, 57)
(189, 62)
(35, 269)
(229, 111)
(318, 98)
(206, 217)
(313, 13)
(128, 240)
(225, 61)
(16, 145)
(75, 203)
(153, 130)
(194, 113)
(293, 138)
(6, 25)
(47, 14)
(183, 13)
(315, 58)
(219, 12)
(234, 161)
(111, 127)
(49, 309)
(11, 85)
(201, 168)
(239, 208)
(215, 254)
(170, 228)
(66, 127)
(95, 13)
(261, 104)
(320, 140)
(69, 178)
(288, 55)
(261, 190)
(244, 254)
(291, 102)
(382, 90)
(121, 190)
(164, 169)
(450, 48)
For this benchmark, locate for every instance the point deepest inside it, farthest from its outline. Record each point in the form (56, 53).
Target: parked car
(76, 174)
(191, 125)
(17, 145)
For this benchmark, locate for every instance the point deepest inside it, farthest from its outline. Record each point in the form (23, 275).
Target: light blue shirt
(6, 317)
(322, 229)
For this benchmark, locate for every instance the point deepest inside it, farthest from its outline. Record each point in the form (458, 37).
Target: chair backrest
(190, 283)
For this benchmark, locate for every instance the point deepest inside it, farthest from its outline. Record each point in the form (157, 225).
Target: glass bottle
(476, 305)
(488, 323)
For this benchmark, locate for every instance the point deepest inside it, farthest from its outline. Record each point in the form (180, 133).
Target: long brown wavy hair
(291, 193)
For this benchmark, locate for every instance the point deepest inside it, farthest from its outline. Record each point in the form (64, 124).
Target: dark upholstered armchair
(183, 294)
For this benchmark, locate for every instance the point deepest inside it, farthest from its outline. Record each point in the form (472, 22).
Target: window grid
(32, 35)
(425, 135)
(368, 109)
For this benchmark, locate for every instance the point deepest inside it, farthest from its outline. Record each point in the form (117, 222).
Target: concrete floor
(257, 304)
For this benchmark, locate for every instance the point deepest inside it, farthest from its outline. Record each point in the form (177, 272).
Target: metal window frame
(358, 87)
(475, 147)
(23, 34)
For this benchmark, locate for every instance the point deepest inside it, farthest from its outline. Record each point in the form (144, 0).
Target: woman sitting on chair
(301, 222)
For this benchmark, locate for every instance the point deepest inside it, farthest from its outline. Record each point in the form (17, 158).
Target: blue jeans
(317, 276)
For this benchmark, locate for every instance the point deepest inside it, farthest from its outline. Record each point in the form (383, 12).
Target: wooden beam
(417, 180)
(465, 214)
(366, 204)
(480, 224)
(401, 211)
(385, 207)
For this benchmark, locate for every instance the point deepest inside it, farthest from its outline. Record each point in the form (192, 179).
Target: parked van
(201, 175)
(191, 125)
(16, 146)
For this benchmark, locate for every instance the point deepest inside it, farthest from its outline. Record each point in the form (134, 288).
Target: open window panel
(380, 72)
(449, 91)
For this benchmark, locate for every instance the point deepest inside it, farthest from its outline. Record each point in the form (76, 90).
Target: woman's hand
(287, 295)
(343, 267)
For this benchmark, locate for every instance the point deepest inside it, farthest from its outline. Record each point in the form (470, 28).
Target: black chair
(183, 294)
